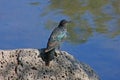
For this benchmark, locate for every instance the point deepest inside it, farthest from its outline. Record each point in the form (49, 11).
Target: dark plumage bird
(57, 36)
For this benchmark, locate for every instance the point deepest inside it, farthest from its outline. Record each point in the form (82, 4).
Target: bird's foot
(56, 54)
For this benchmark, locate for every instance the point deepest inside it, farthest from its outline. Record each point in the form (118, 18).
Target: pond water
(94, 34)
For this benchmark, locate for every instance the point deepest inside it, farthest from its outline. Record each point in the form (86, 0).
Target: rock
(24, 64)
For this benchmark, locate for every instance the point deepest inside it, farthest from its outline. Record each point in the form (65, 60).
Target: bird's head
(63, 23)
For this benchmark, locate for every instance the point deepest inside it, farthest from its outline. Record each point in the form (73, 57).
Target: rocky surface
(24, 64)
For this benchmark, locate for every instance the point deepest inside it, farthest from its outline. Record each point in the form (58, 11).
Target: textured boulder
(24, 64)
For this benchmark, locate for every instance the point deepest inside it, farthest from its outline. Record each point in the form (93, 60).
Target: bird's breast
(62, 35)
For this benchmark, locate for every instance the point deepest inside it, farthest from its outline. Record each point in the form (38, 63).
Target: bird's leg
(55, 54)
(58, 48)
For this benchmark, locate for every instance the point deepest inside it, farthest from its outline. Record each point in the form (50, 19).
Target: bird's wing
(53, 42)
(56, 38)
(56, 32)
(51, 45)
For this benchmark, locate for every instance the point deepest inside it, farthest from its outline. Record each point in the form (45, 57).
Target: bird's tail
(48, 56)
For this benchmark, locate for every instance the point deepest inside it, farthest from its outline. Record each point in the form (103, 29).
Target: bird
(57, 36)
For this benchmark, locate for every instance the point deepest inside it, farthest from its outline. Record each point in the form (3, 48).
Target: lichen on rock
(24, 64)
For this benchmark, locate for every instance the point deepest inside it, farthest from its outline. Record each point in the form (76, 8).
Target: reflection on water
(95, 28)
(90, 16)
